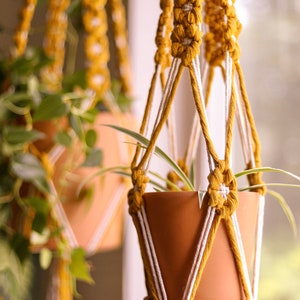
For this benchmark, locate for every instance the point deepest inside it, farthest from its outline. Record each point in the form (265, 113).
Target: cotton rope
(257, 257)
(152, 255)
(54, 43)
(199, 253)
(21, 34)
(121, 37)
(96, 46)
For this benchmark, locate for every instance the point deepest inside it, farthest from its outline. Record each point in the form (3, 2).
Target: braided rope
(96, 46)
(120, 37)
(54, 43)
(21, 34)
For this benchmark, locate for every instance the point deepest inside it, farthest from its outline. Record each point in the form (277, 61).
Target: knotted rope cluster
(21, 34)
(186, 35)
(54, 43)
(96, 45)
(224, 29)
(135, 195)
(162, 38)
(120, 36)
(222, 190)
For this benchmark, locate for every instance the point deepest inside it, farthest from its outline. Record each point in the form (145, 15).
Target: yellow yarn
(65, 280)
(121, 37)
(96, 46)
(186, 35)
(54, 43)
(21, 34)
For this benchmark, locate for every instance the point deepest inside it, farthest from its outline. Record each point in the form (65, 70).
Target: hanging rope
(121, 38)
(96, 46)
(222, 51)
(21, 34)
(54, 43)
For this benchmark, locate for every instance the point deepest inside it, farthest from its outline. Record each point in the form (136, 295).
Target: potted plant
(50, 140)
(178, 246)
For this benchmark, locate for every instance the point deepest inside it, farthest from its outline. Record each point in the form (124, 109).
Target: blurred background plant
(47, 104)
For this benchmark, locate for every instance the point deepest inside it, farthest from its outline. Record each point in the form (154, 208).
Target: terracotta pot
(87, 213)
(176, 221)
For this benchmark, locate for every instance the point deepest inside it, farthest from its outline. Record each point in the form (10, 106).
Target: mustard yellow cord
(96, 46)
(186, 35)
(121, 38)
(54, 43)
(65, 287)
(21, 34)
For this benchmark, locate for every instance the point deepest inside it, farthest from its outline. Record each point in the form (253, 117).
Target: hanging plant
(47, 114)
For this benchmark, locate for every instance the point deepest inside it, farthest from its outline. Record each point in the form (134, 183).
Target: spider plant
(161, 183)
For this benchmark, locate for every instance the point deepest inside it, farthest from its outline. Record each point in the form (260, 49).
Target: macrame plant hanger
(221, 200)
(98, 87)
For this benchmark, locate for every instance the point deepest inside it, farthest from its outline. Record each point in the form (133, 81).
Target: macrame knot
(224, 30)
(162, 39)
(186, 35)
(135, 195)
(222, 190)
(175, 179)
(256, 179)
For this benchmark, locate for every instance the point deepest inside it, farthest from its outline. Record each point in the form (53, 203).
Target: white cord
(199, 252)
(165, 97)
(257, 257)
(200, 90)
(63, 219)
(242, 253)
(150, 249)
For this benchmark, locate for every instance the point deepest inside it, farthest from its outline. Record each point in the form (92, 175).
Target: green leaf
(15, 277)
(45, 258)
(42, 185)
(90, 115)
(158, 151)
(39, 222)
(77, 78)
(38, 204)
(79, 268)
(20, 245)
(91, 138)
(286, 209)
(20, 135)
(76, 125)
(22, 97)
(266, 169)
(63, 138)
(27, 167)
(100, 172)
(51, 107)
(93, 158)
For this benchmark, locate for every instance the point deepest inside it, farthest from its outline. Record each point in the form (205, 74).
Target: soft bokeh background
(270, 44)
